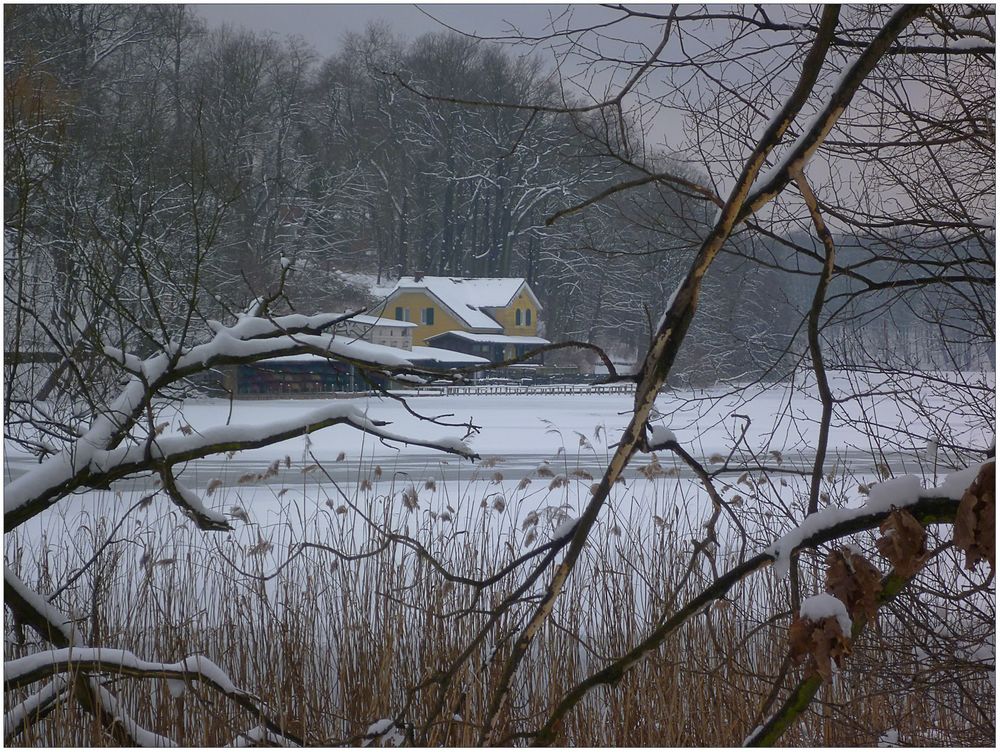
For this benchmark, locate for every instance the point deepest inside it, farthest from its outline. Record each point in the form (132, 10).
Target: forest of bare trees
(135, 131)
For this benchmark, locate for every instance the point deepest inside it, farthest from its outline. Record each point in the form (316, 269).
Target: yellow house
(494, 317)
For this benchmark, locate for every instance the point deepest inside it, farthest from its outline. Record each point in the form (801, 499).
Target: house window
(427, 316)
(517, 317)
(527, 317)
(399, 313)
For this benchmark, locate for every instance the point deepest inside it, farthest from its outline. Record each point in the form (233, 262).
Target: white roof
(437, 354)
(467, 296)
(303, 358)
(497, 339)
(377, 321)
(444, 356)
(378, 354)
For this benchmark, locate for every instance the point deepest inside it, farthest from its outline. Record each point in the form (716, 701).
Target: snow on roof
(377, 321)
(497, 339)
(416, 354)
(444, 356)
(349, 346)
(467, 296)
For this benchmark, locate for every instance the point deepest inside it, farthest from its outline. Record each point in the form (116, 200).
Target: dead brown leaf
(975, 523)
(818, 643)
(903, 542)
(854, 580)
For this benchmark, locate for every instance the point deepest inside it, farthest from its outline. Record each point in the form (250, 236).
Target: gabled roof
(467, 297)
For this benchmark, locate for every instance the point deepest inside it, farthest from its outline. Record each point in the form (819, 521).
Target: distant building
(314, 375)
(492, 317)
(381, 331)
(295, 375)
(493, 347)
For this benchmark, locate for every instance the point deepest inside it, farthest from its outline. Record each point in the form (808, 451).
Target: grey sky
(323, 25)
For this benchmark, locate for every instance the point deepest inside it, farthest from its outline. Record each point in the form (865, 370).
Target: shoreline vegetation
(315, 609)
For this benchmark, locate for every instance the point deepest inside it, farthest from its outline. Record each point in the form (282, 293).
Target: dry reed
(331, 645)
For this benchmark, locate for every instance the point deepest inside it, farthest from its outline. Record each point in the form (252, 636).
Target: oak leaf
(903, 542)
(818, 643)
(854, 580)
(975, 522)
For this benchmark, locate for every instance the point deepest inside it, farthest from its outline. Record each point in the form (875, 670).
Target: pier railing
(445, 390)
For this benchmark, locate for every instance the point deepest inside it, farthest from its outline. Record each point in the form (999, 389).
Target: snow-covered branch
(43, 664)
(30, 609)
(70, 656)
(103, 455)
(897, 493)
(17, 718)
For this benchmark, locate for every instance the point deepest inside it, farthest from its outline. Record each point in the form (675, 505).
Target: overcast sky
(323, 25)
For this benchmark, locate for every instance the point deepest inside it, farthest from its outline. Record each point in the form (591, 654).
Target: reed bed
(332, 639)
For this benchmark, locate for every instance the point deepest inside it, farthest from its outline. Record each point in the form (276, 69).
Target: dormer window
(527, 317)
(517, 317)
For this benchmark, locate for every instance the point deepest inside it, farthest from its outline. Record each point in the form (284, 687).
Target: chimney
(417, 276)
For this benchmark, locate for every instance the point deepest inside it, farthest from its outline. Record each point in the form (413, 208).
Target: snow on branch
(142, 737)
(255, 327)
(251, 339)
(38, 705)
(172, 450)
(660, 437)
(261, 736)
(897, 493)
(224, 349)
(24, 671)
(104, 454)
(30, 608)
(41, 487)
(938, 504)
(191, 503)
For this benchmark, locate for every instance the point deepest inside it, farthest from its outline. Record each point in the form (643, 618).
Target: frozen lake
(516, 433)
(575, 434)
